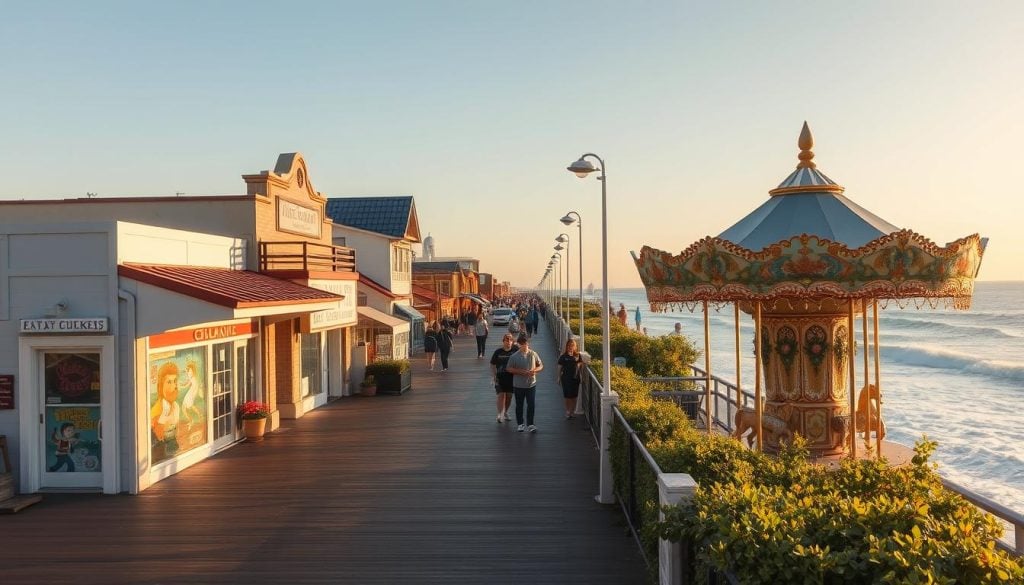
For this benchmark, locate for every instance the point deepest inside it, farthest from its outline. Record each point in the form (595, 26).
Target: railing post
(634, 518)
(673, 488)
(606, 485)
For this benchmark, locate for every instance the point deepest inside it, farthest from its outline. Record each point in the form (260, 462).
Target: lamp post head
(562, 239)
(568, 219)
(582, 168)
(559, 247)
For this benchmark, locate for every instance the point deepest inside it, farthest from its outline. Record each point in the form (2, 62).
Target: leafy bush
(387, 367)
(867, 522)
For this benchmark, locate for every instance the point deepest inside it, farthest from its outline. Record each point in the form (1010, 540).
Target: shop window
(178, 402)
(309, 347)
(445, 288)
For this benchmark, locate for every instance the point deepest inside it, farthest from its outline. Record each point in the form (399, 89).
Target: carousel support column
(853, 382)
(707, 366)
(878, 384)
(758, 409)
(864, 323)
(736, 320)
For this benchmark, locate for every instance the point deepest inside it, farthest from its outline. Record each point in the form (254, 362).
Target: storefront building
(125, 347)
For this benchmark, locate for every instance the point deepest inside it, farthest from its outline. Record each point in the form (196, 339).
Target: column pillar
(606, 493)
(673, 488)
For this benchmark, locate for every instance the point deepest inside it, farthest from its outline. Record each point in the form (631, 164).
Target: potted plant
(368, 387)
(254, 416)
(393, 376)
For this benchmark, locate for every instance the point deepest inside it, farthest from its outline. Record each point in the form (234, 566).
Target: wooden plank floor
(421, 488)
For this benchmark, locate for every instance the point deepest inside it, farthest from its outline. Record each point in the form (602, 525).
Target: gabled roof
(394, 217)
(376, 286)
(225, 287)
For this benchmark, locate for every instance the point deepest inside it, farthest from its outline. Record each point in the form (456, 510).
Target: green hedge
(387, 366)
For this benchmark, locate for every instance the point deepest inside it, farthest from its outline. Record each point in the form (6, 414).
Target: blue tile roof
(384, 215)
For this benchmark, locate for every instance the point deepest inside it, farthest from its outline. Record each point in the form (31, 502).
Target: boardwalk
(422, 488)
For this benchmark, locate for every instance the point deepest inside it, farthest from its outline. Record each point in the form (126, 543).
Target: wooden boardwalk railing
(421, 488)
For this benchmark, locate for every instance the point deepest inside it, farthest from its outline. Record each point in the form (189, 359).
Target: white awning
(397, 325)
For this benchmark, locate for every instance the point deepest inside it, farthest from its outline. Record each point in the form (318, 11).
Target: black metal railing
(631, 498)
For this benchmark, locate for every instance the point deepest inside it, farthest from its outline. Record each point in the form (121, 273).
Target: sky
(476, 108)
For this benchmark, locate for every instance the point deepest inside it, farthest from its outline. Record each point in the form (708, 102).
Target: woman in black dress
(569, 365)
(430, 342)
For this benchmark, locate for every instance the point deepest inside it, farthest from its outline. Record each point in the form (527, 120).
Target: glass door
(71, 418)
(223, 395)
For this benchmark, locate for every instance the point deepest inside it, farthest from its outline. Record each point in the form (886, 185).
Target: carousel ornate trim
(902, 265)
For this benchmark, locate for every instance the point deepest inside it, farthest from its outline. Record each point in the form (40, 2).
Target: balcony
(306, 257)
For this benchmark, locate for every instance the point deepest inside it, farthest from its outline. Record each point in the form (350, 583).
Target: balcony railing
(306, 256)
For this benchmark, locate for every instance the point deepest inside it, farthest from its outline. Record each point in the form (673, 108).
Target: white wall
(373, 253)
(145, 244)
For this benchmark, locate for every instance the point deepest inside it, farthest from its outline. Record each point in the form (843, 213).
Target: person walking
(430, 343)
(445, 344)
(531, 321)
(502, 377)
(480, 329)
(622, 314)
(569, 365)
(677, 331)
(636, 317)
(524, 366)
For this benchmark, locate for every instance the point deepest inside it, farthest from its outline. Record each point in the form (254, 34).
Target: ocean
(955, 376)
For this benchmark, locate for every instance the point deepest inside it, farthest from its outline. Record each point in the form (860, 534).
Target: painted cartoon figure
(65, 440)
(166, 413)
(188, 404)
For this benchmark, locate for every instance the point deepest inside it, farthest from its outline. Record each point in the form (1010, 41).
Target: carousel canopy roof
(809, 241)
(829, 215)
(807, 202)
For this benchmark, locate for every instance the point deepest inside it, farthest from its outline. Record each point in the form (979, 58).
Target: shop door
(72, 419)
(223, 395)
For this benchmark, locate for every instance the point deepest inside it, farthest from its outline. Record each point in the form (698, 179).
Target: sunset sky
(476, 108)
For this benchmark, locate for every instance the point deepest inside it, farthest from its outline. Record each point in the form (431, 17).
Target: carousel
(806, 266)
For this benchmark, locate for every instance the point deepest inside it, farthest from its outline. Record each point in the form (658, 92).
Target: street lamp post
(558, 279)
(583, 167)
(563, 238)
(568, 220)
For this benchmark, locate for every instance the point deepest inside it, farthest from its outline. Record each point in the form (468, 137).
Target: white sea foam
(930, 356)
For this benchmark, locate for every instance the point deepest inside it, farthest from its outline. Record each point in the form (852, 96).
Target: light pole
(563, 238)
(568, 220)
(583, 167)
(556, 258)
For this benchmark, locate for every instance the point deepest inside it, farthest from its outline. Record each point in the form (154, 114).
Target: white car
(502, 316)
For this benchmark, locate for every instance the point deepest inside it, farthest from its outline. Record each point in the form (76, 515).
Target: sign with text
(298, 219)
(6, 392)
(65, 325)
(198, 335)
(343, 316)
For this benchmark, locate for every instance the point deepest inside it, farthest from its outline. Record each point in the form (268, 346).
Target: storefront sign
(201, 334)
(343, 316)
(298, 219)
(6, 392)
(67, 325)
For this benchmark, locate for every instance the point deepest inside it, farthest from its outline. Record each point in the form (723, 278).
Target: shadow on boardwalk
(421, 488)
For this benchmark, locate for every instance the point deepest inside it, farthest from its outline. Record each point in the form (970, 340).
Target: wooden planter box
(394, 383)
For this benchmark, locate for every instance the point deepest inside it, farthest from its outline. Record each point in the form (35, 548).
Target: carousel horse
(772, 426)
(868, 406)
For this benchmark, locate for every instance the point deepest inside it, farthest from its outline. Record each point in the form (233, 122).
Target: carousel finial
(806, 142)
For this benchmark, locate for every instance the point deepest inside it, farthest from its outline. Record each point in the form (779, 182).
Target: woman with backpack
(445, 344)
(430, 343)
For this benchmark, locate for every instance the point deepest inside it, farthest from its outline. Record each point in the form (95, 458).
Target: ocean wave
(948, 359)
(927, 326)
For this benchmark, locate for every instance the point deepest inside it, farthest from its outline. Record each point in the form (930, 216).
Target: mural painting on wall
(177, 399)
(72, 387)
